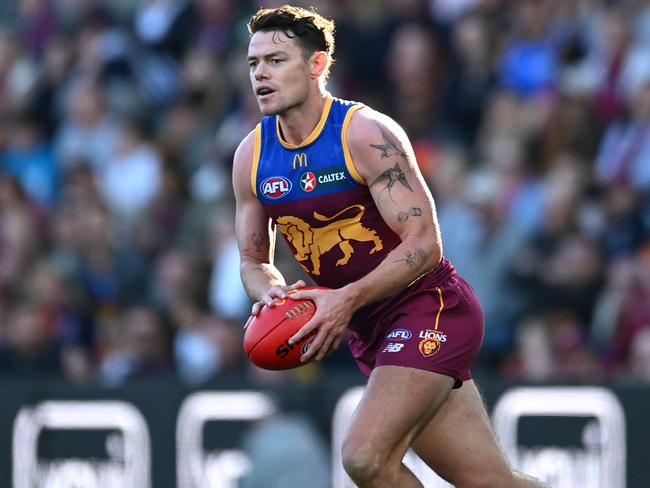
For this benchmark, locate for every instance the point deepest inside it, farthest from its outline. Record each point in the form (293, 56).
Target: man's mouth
(263, 91)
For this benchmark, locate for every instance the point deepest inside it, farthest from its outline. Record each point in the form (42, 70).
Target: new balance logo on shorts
(393, 347)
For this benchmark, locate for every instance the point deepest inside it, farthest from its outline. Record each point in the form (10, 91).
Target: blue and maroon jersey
(318, 201)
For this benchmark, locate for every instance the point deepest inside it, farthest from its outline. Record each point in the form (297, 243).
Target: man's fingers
(273, 296)
(325, 348)
(248, 322)
(297, 284)
(302, 294)
(304, 331)
(314, 346)
(257, 306)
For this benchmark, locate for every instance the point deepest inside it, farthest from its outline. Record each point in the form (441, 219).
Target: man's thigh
(398, 402)
(458, 441)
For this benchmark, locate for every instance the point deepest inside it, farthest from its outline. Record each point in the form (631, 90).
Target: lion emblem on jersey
(310, 243)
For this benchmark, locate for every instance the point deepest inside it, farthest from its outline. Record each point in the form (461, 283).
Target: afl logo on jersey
(308, 181)
(275, 187)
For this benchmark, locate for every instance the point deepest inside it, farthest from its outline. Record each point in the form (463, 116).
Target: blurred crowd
(119, 118)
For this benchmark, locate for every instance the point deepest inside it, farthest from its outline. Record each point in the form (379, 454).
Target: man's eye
(276, 61)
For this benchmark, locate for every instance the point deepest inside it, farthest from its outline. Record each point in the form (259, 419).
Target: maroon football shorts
(436, 325)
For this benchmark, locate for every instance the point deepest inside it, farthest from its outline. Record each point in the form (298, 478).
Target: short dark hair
(312, 31)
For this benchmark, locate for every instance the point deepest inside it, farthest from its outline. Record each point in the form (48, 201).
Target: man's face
(279, 72)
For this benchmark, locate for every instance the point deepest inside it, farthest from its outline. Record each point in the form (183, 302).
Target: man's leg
(397, 404)
(459, 444)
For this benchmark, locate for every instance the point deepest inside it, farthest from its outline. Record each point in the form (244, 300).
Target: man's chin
(267, 109)
(274, 108)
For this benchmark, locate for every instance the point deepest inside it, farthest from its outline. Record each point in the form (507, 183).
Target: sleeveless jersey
(318, 201)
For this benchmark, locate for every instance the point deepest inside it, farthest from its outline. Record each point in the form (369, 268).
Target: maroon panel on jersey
(336, 238)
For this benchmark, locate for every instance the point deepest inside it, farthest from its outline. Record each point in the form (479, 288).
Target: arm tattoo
(413, 212)
(392, 176)
(412, 259)
(257, 240)
(389, 147)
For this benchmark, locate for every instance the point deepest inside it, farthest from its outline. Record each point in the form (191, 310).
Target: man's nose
(260, 72)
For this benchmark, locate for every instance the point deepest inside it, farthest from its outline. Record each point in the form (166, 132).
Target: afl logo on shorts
(275, 187)
(399, 335)
(308, 181)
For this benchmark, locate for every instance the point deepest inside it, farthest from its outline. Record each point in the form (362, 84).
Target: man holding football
(341, 184)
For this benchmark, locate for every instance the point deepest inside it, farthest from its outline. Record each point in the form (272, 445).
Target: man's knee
(362, 461)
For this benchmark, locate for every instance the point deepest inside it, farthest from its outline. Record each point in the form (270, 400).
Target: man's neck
(297, 123)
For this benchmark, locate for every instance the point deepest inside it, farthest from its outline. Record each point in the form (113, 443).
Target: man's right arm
(256, 240)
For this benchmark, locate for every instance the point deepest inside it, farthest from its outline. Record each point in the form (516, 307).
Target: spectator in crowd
(552, 348)
(622, 316)
(176, 281)
(88, 130)
(131, 176)
(639, 365)
(29, 158)
(27, 349)
(144, 350)
(19, 236)
(205, 346)
(530, 55)
(18, 72)
(624, 156)
(226, 292)
(471, 78)
(413, 68)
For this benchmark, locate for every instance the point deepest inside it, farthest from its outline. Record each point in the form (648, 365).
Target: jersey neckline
(314, 133)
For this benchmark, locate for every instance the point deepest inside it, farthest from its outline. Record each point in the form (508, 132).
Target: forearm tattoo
(414, 258)
(413, 212)
(257, 239)
(389, 149)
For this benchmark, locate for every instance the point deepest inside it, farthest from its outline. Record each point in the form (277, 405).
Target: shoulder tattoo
(389, 148)
(395, 174)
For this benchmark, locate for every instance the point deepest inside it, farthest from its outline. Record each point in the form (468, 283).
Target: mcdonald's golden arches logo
(299, 159)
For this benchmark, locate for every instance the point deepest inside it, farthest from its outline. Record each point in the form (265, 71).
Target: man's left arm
(383, 156)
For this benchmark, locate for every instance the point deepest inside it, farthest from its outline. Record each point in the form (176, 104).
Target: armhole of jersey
(344, 142)
(257, 145)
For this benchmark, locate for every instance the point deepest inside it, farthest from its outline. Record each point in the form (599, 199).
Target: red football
(266, 339)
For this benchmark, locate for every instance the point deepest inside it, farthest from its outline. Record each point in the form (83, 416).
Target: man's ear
(318, 64)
